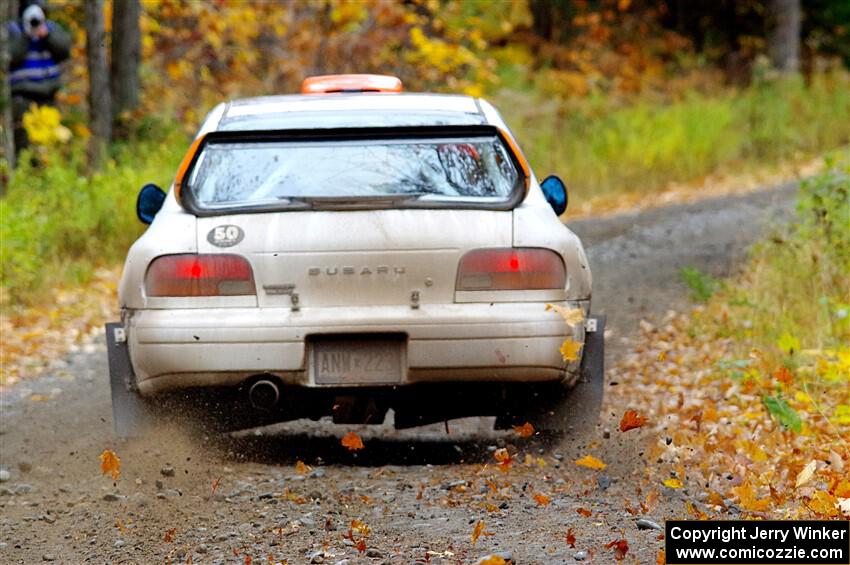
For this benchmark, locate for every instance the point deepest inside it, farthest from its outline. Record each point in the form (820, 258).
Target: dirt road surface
(419, 493)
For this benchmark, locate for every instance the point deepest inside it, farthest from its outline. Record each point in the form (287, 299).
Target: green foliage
(783, 413)
(702, 285)
(602, 147)
(59, 223)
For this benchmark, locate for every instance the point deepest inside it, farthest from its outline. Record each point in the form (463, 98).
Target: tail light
(199, 275)
(511, 269)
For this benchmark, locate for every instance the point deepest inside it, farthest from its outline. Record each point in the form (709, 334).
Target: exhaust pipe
(264, 394)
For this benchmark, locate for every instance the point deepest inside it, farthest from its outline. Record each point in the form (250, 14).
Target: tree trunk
(126, 54)
(8, 14)
(100, 115)
(784, 37)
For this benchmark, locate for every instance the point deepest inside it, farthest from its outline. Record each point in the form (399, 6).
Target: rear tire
(557, 411)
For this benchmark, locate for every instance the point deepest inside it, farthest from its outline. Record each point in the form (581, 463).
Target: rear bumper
(506, 342)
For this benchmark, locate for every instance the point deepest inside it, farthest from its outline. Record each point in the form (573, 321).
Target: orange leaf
(302, 469)
(824, 504)
(783, 375)
(110, 463)
(352, 441)
(748, 499)
(248, 559)
(631, 420)
(360, 527)
(584, 512)
(169, 535)
(525, 430)
(569, 350)
(591, 462)
(504, 458)
(662, 557)
(541, 499)
(361, 546)
(621, 548)
(476, 532)
(492, 560)
(571, 538)
(215, 484)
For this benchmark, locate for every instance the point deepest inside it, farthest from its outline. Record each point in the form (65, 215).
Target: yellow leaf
(110, 463)
(572, 316)
(590, 462)
(841, 416)
(824, 503)
(301, 468)
(492, 560)
(673, 483)
(569, 350)
(806, 474)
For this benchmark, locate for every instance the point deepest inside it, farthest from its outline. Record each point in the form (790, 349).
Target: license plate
(357, 362)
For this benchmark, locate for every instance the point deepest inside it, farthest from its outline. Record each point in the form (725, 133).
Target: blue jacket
(34, 68)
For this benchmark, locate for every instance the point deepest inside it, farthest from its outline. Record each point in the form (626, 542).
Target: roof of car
(342, 110)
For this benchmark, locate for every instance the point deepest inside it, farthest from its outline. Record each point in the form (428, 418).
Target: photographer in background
(37, 47)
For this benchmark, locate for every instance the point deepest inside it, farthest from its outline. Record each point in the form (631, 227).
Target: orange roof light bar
(327, 84)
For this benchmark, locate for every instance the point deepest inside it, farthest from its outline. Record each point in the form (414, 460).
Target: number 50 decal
(225, 236)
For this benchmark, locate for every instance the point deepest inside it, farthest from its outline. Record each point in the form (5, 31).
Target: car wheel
(556, 411)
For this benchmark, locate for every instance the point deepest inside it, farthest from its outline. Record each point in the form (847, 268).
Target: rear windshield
(277, 173)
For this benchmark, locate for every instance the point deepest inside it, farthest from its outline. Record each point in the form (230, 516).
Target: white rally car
(351, 250)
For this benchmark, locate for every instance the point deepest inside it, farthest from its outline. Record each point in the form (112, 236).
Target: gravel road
(421, 492)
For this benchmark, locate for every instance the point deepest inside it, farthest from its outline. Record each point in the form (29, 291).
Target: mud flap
(555, 410)
(130, 413)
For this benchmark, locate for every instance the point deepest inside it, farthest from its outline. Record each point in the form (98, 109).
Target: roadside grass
(752, 392)
(702, 286)
(59, 223)
(604, 148)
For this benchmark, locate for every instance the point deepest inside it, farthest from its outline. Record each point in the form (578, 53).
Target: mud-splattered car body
(341, 254)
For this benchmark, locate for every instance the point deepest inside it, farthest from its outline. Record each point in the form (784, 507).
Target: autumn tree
(100, 115)
(126, 53)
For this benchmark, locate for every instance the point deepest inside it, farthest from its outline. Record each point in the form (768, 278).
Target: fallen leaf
(248, 559)
(504, 458)
(824, 504)
(572, 316)
(584, 512)
(169, 535)
(662, 557)
(492, 560)
(621, 548)
(352, 441)
(361, 528)
(571, 538)
(476, 532)
(590, 462)
(783, 375)
(525, 430)
(120, 525)
(361, 546)
(806, 474)
(541, 499)
(673, 483)
(748, 498)
(110, 463)
(302, 469)
(631, 420)
(215, 484)
(569, 350)
(662, 355)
